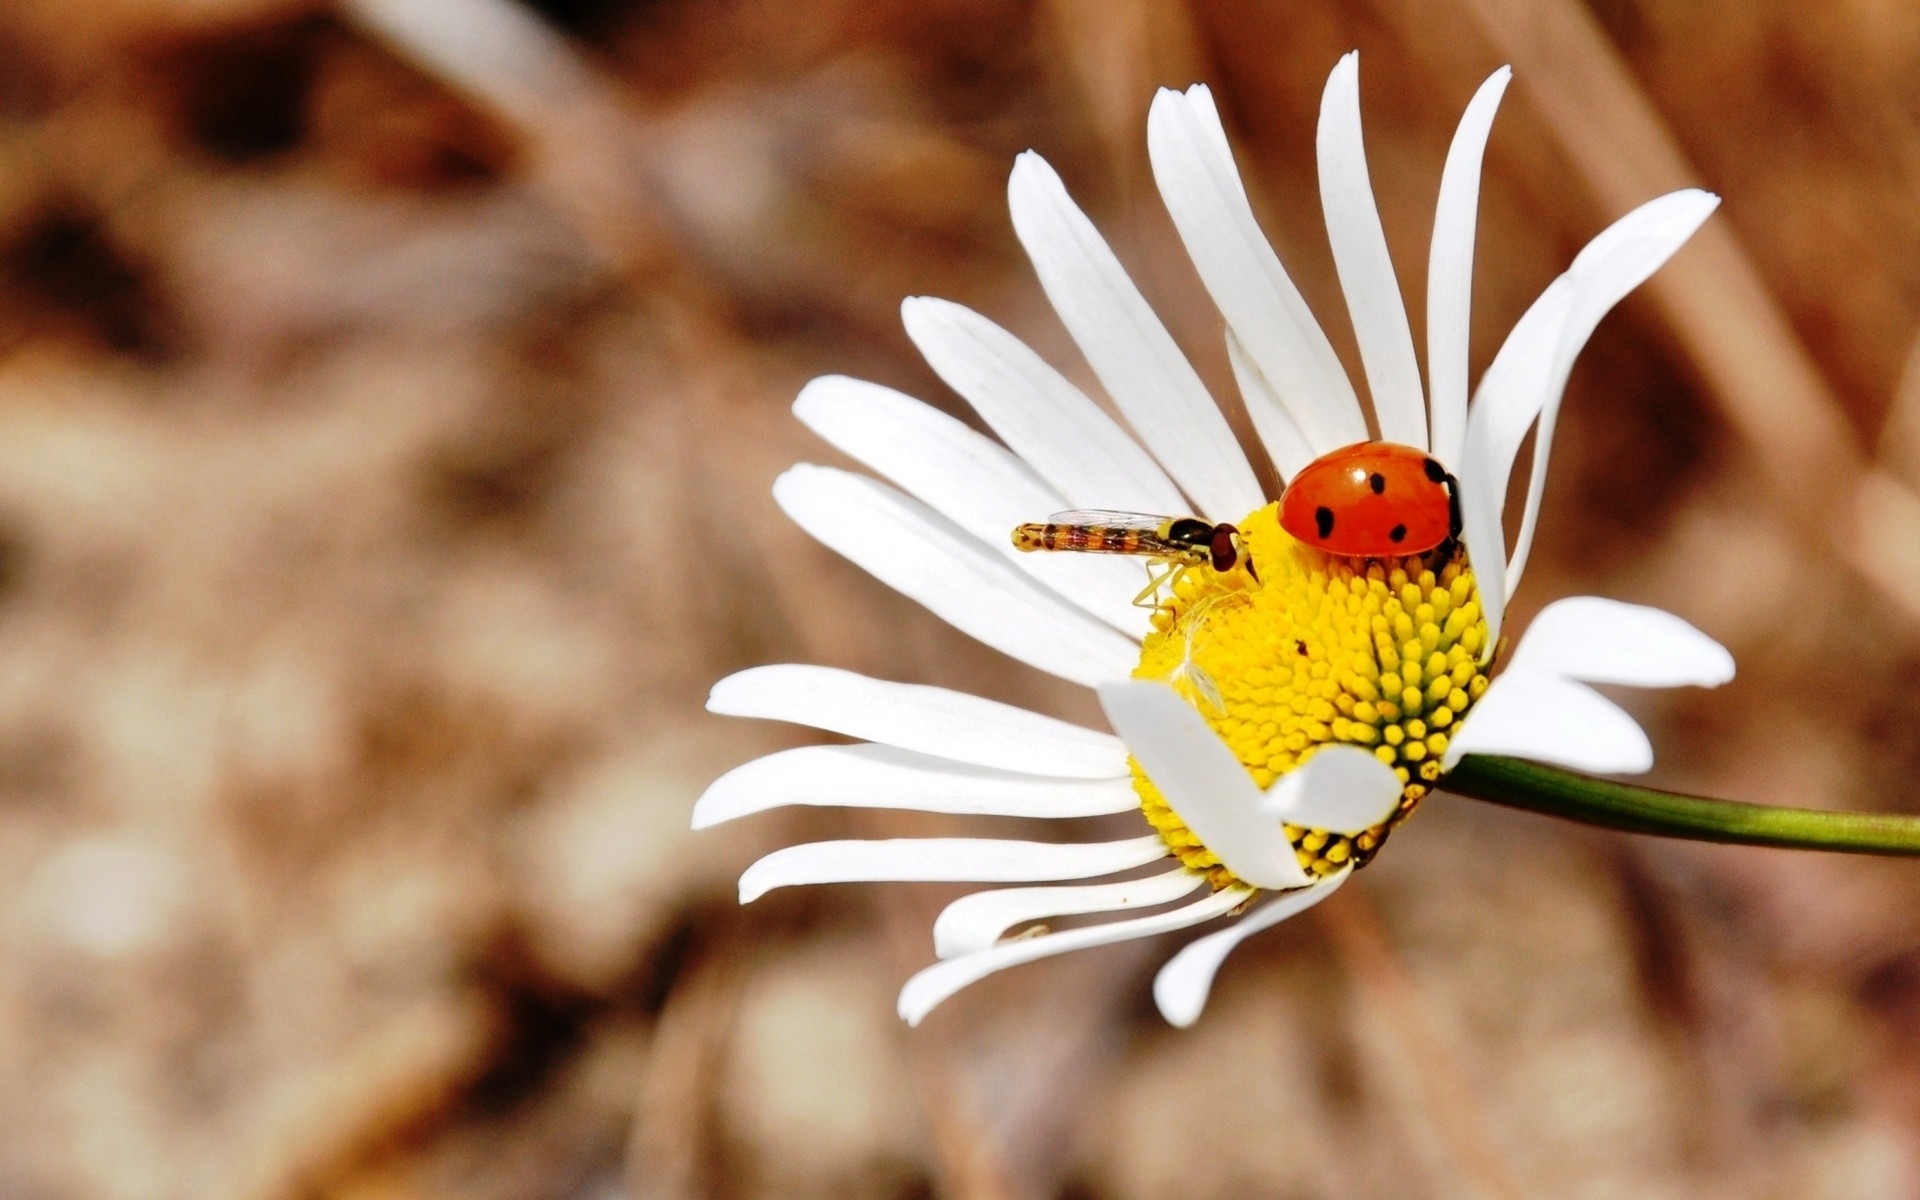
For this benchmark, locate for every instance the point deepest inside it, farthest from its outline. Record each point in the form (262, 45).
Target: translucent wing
(1103, 531)
(1107, 518)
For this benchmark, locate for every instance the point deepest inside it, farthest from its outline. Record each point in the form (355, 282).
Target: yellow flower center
(1318, 649)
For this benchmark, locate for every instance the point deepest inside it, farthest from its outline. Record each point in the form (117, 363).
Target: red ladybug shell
(1371, 500)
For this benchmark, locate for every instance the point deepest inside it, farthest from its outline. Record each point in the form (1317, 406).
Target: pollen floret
(1378, 653)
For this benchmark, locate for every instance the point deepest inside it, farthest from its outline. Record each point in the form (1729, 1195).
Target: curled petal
(1606, 641)
(1615, 263)
(1342, 789)
(1529, 377)
(933, 985)
(1202, 781)
(1556, 721)
(1496, 427)
(974, 923)
(1180, 989)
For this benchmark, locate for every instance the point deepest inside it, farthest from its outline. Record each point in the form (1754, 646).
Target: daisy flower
(1275, 714)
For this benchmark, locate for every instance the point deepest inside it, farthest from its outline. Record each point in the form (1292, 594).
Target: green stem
(1559, 793)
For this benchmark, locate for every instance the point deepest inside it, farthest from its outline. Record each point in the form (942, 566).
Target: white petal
(1496, 426)
(971, 480)
(937, 721)
(1450, 270)
(1128, 348)
(1052, 425)
(974, 923)
(1366, 269)
(1287, 447)
(942, 980)
(870, 776)
(966, 860)
(925, 451)
(1507, 400)
(1264, 310)
(1556, 721)
(1180, 989)
(1530, 370)
(1200, 778)
(1342, 789)
(914, 550)
(1613, 264)
(1605, 641)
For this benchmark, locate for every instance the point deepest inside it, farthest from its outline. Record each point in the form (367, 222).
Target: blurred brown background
(388, 397)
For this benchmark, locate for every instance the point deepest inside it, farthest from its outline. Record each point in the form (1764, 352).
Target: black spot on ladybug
(1399, 533)
(1323, 520)
(1377, 482)
(1435, 471)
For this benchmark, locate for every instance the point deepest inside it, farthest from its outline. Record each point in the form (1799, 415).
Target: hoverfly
(1177, 542)
(1172, 545)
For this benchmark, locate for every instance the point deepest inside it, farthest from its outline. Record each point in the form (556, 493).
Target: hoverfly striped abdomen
(1187, 540)
(1093, 538)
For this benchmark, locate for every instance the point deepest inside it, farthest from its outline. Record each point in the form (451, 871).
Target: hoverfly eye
(1224, 547)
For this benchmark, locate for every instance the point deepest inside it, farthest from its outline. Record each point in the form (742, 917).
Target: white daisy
(1272, 727)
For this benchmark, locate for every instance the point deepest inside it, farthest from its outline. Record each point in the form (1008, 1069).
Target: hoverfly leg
(1161, 574)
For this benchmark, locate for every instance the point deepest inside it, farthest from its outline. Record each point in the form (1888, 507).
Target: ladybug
(1372, 500)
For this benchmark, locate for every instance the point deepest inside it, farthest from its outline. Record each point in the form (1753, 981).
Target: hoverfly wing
(1107, 518)
(1105, 531)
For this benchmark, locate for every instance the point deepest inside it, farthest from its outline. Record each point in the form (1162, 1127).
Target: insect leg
(1161, 573)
